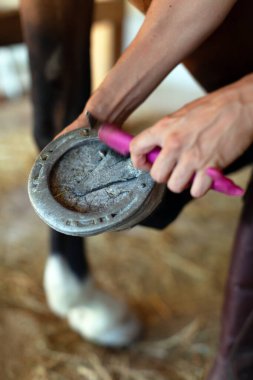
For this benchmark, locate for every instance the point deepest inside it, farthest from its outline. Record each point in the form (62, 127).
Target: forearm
(171, 30)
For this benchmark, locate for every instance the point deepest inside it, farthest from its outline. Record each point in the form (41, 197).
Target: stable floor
(173, 279)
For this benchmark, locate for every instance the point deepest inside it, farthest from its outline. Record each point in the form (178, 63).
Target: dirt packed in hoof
(173, 279)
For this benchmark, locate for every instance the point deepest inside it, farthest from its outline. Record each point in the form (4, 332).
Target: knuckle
(153, 132)
(174, 141)
(133, 146)
(161, 128)
(148, 132)
(190, 159)
(136, 144)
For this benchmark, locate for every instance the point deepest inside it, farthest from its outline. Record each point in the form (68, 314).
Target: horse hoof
(105, 321)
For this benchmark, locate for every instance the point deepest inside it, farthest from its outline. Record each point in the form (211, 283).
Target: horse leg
(58, 39)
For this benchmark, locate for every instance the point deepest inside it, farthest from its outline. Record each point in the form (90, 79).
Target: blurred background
(174, 279)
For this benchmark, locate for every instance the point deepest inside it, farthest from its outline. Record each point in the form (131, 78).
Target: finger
(201, 184)
(140, 162)
(163, 166)
(145, 141)
(139, 147)
(181, 176)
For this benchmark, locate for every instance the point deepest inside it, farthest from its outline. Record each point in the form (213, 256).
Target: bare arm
(171, 30)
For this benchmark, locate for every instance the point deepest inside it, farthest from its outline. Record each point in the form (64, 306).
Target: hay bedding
(173, 279)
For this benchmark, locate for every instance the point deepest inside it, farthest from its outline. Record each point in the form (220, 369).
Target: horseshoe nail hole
(36, 173)
(102, 154)
(143, 185)
(84, 132)
(113, 215)
(44, 157)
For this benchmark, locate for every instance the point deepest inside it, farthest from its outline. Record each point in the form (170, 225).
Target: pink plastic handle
(119, 140)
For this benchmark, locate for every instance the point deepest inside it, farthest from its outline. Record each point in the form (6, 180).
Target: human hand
(210, 132)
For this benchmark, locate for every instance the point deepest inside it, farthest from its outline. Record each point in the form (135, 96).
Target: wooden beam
(110, 10)
(10, 28)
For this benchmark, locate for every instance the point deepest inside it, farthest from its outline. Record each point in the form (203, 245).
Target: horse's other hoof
(105, 320)
(93, 313)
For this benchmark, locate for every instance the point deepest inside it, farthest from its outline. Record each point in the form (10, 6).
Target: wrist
(130, 81)
(245, 92)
